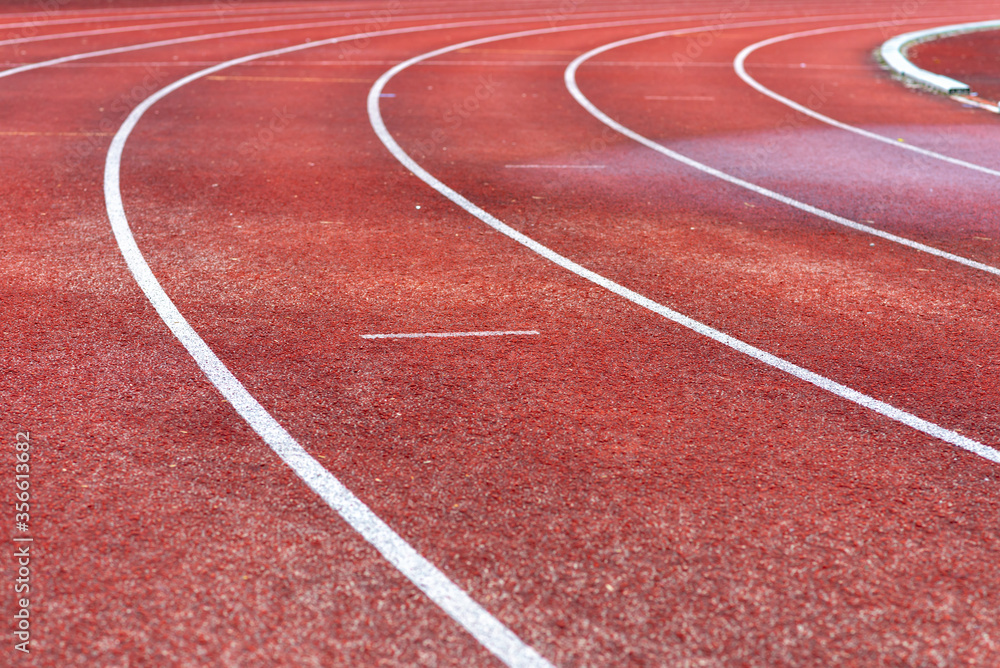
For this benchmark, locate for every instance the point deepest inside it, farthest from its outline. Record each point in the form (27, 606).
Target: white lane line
(485, 628)
(893, 413)
(574, 89)
(739, 64)
(197, 38)
(974, 102)
(554, 166)
(682, 98)
(445, 335)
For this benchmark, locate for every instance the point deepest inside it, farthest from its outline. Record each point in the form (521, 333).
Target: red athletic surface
(617, 490)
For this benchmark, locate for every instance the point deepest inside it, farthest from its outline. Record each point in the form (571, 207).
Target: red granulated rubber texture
(616, 490)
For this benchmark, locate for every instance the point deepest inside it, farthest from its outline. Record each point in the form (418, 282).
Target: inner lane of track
(514, 465)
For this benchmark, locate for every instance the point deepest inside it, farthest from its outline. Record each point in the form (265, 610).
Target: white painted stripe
(18, 69)
(973, 102)
(892, 54)
(445, 335)
(554, 166)
(739, 64)
(893, 413)
(682, 98)
(489, 631)
(570, 78)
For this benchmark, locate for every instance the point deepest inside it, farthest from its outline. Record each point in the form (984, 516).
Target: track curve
(610, 487)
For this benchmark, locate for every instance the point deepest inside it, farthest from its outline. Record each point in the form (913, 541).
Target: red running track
(615, 489)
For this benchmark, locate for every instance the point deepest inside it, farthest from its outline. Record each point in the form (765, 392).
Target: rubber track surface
(615, 489)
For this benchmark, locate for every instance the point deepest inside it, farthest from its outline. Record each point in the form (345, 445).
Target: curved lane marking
(891, 412)
(739, 64)
(574, 89)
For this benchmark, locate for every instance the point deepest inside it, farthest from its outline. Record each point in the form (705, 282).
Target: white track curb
(892, 54)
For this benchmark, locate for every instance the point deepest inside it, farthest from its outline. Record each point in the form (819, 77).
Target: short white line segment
(970, 101)
(446, 335)
(554, 166)
(893, 413)
(681, 98)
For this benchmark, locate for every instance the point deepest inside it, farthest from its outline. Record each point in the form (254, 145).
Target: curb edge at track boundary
(891, 52)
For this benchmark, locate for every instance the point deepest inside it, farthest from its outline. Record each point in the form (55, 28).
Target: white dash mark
(554, 166)
(682, 98)
(442, 335)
